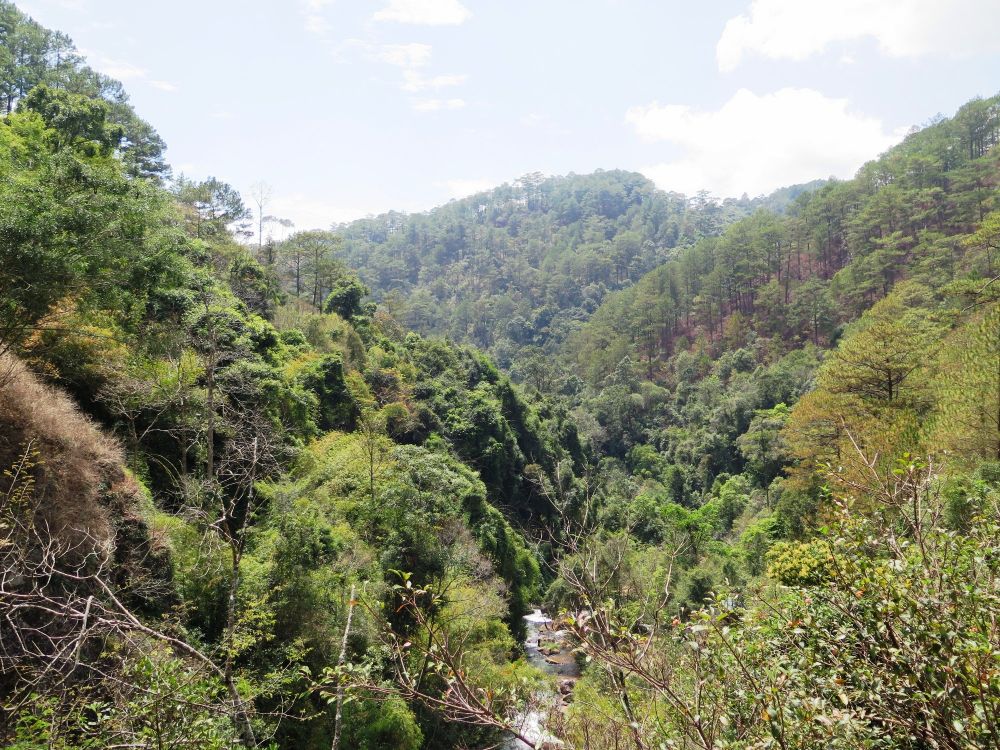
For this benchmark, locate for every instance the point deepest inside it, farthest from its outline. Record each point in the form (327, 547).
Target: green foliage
(174, 336)
(659, 367)
(211, 207)
(394, 727)
(905, 645)
(514, 270)
(74, 218)
(880, 634)
(968, 390)
(800, 563)
(34, 58)
(838, 249)
(755, 542)
(733, 499)
(324, 377)
(79, 121)
(763, 445)
(164, 704)
(345, 297)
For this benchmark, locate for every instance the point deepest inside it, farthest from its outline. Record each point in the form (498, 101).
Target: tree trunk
(340, 662)
(210, 429)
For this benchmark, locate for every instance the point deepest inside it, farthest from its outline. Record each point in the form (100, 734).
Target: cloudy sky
(351, 107)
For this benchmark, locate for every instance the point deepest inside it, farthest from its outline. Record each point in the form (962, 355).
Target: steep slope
(801, 428)
(792, 279)
(68, 507)
(288, 468)
(753, 454)
(731, 312)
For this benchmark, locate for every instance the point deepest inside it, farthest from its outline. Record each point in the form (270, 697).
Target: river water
(546, 649)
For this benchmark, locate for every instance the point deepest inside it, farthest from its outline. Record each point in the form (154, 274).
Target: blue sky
(351, 107)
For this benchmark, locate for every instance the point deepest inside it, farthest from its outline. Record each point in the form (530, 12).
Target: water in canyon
(546, 648)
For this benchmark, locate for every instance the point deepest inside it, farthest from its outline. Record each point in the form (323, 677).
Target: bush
(799, 563)
(345, 297)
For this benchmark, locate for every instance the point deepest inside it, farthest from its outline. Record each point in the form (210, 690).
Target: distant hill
(837, 249)
(516, 269)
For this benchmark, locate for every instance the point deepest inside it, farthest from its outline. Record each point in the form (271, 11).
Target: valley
(571, 462)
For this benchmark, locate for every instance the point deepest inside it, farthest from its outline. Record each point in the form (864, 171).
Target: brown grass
(79, 477)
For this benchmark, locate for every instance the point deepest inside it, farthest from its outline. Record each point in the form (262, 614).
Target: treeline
(855, 549)
(32, 56)
(684, 375)
(753, 459)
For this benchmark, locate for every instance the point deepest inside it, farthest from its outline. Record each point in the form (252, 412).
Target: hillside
(196, 476)
(910, 214)
(736, 324)
(745, 456)
(517, 269)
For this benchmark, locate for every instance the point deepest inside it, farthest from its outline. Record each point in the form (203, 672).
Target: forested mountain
(796, 278)
(747, 454)
(516, 269)
(683, 359)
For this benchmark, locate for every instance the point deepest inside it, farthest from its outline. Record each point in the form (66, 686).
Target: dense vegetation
(275, 456)
(750, 451)
(737, 324)
(808, 408)
(517, 269)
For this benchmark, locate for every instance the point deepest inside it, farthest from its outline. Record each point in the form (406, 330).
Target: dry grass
(79, 480)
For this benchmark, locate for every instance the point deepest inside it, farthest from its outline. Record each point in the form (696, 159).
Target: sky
(347, 108)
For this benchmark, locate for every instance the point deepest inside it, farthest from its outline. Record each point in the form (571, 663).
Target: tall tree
(213, 207)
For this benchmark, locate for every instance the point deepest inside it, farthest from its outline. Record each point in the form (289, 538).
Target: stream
(546, 649)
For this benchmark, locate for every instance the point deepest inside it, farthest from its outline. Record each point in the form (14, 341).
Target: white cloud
(462, 188)
(124, 71)
(118, 69)
(309, 213)
(312, 15)
(317, 24)
(436, 105)
(406, 56)
(797, 29)
(34, 7)
(544, 124)
(411, 59)
(424, 12)
(414, 81)
(755, 144)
